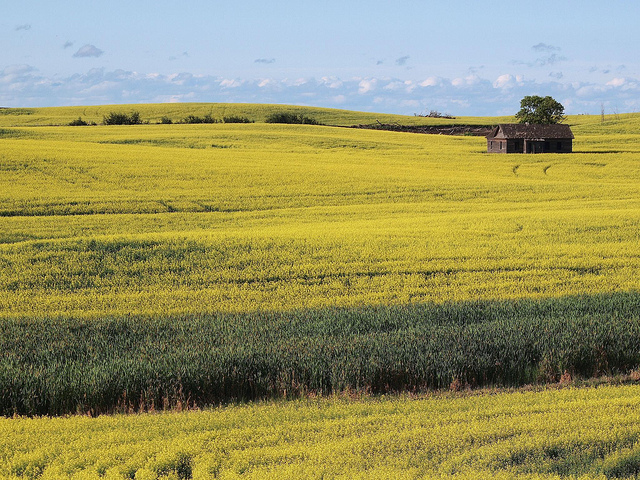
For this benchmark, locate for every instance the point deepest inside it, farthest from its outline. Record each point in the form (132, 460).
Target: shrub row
(79, 122)
(209, 119)
(113, 118)
(119, 118)
(291, 118)
(57, 366)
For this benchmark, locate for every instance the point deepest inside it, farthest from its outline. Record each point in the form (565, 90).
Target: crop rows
(294, 259)
(65, 365)
(567, 433)
(162, 267)
(155, 264)
(125, 220)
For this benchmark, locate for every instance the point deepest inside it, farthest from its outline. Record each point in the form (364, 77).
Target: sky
(407, 57)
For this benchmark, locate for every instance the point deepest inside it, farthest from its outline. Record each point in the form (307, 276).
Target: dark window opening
(547, 146)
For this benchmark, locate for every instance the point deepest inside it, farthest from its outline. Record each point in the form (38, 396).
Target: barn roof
(522, 130)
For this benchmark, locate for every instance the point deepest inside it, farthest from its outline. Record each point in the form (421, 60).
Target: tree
(540, 110)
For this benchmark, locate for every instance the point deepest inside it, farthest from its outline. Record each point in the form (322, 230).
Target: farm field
(566, 433)
(166, 266)
(171, 219)
(153, 113)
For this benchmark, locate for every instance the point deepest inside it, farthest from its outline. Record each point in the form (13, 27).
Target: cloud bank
(24, 85)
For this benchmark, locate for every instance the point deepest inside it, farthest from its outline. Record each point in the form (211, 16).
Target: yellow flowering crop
(162, 219)
(586, 433)
(156, 220)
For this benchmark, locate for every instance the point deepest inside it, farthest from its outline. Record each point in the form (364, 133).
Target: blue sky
(462, 58)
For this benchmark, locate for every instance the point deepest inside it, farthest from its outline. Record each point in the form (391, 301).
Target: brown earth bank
(470, 130)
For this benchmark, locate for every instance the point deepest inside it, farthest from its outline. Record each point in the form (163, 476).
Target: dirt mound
(474, 130)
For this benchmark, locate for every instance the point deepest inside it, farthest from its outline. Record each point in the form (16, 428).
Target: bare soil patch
(471, 130)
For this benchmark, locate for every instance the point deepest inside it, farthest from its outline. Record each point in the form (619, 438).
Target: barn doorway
(535, 147)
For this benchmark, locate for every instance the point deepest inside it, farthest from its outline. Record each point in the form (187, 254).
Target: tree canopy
(540, 110)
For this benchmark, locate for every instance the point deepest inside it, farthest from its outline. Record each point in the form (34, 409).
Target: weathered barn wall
(518, 138)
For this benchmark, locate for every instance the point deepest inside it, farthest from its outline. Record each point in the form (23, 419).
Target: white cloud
(616, 82)
(472, 79)
(508, 81)
(186, 97)
(88, 51)
(265, 82)
(407, 86)
(230, 83)
(23, 85)
(502, 81)
(431, 82)
(587, 91)
(367, 85)
(395, 85)
(13, 71)
(100, 88)
(466, 81)
(331, 82)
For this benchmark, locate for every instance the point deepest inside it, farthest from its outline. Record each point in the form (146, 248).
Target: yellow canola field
(159, 219)
(582, 433)
(177, 112)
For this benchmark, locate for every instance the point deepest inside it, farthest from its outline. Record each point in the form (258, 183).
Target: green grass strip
(64, 365)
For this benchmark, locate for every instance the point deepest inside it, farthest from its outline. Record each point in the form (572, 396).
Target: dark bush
(117, 118)
(206, 119)
(78, 122)
(286, 117)
(166, 120)
(236, 119)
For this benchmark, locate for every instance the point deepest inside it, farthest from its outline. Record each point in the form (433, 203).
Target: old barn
(523, 138)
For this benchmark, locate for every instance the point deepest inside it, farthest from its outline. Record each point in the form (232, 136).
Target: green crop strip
(65, 365)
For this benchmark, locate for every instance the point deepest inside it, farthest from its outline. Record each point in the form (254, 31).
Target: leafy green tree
(540, 110)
